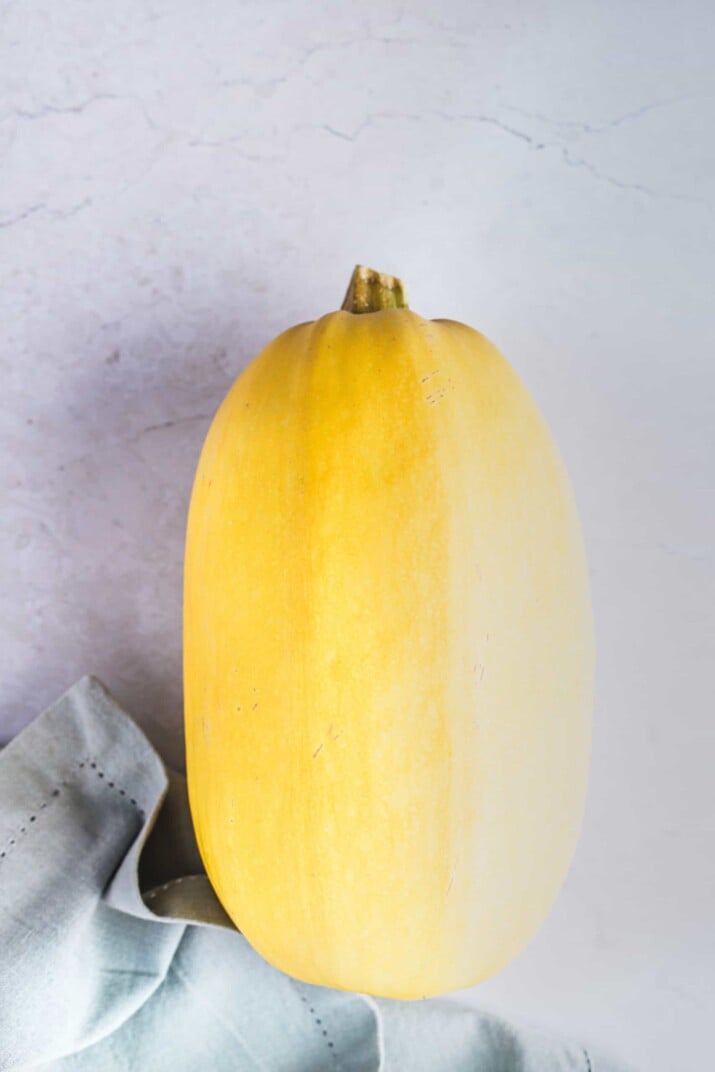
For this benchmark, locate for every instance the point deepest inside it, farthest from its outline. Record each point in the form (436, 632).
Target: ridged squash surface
(388, 656)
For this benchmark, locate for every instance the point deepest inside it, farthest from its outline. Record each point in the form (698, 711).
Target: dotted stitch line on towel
(167, 885)
(64, 784)
(317, 1020)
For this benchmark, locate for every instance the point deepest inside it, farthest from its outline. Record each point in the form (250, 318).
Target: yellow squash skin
(388, 656)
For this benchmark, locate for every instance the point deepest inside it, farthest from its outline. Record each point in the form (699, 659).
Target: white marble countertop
(182, 181)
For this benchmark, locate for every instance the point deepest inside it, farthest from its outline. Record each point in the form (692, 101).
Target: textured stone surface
(181, 181)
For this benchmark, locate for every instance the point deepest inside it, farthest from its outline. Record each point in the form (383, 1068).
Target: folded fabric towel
(116, 955)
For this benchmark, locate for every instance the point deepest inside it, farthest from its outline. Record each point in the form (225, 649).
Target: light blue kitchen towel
(116, 955)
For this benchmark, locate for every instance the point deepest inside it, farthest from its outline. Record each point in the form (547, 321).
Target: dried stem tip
(370, 291)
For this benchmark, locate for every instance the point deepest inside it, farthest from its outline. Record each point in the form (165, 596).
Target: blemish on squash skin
(429, 376)
(451, 877)
(315, 753)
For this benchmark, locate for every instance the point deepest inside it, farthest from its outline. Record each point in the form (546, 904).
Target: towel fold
(115, 953)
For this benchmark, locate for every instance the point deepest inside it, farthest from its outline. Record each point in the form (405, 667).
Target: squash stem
(370, 291)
